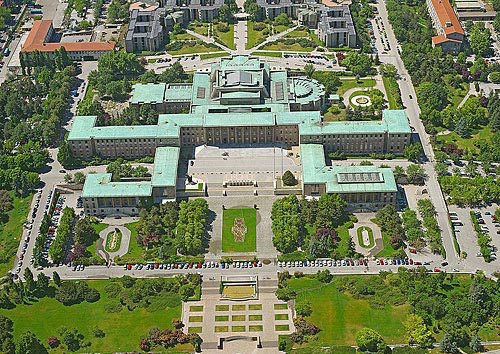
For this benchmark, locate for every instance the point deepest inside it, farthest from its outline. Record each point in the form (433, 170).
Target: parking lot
(466, 235)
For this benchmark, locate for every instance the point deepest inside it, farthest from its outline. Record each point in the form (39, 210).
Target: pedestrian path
(210, 40)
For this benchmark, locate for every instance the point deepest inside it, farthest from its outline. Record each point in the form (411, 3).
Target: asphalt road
(409, 96)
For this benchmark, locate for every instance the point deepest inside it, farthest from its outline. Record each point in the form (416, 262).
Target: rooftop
(447, 17)
(100, 185)
(343, 179)
(39, 35)
(165, 166)
(148, 93)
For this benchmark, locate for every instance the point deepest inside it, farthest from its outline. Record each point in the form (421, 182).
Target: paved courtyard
(213, 318)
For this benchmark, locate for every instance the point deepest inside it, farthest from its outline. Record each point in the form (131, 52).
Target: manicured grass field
(343, 248)
(254, 37)
(351, 83)
(135, 251)
(281, 316)
(340, 316)
(255, 328)
(190, 47)
(221, 329)
(113, 241)
(196, 308)
(280, 306)
(226, 38)
(195, 329)
(199, 27)
(392, 90)
(282, 327)
(221, 307)
(371, 242)
(388, 250)
(238, 328)
(123, 329)
(213, 55)
(238, 292)
(238, 307)
(229, 244)
(195, 318)
(223, 318)
(255, 317)
(11, 230)
(295, 47)
(238, 317)
(267, 54)
(255, 307)
(466, 143)
(98, 227)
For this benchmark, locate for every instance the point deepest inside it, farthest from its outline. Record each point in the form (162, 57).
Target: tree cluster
(118, 11)
(57, 250)
(84, 235)
(470, 191)
(360, 64)
(119, 168)
(413, 229)
(157, 225)
(389, 221)
(190, 226)
(71, 293)
(169, 338)
(432, 230)
(115, 71)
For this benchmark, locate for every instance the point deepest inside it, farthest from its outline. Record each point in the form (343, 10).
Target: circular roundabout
(361, 100)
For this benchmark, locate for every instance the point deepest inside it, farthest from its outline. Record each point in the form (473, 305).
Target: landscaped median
(365, 237)
(483, 239)
(113, 240)
(239, 230)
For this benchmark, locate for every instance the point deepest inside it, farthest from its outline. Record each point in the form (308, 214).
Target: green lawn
(199, 27)
(213, 55)
(182, 37)
(267, 54)
(11, 230)
(135, 252)
(221, 329)
(98, 227)
(343, 247)
(297, 33)
(196, 308)
(281, 316)
(282, 327)
(280, 28)
(255, 317)
(253, 307)
(484, 133)
(222, 318)
(281, 46)
(123, 330)
(238, 328)
(221, 307)
(456, 95)
(255, 328)
(195, 318)
(351, 83)
(388, 250)
(238, 307)
(226, 38)
(195, 329)
(393, 94)
(229, 243)
(254, 37)
(371, 242)
(238, 317)
(340, 316)
(113, 241)
(194, 47)
(280, 306)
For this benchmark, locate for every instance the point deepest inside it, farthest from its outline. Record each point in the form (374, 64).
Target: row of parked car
(28, 225)
(363, 262)
(193, 265)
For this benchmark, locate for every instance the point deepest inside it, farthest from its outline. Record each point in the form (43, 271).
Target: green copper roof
(239, 62)
(179, 92)
(100, 185)
(148, 93)
(393, 121)
(165, 167)
(84, 129)
(343, 179)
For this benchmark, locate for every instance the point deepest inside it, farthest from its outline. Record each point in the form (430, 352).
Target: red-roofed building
(450, 33)
(39, 40)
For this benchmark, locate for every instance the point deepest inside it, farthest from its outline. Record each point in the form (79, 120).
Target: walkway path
(123, 244)
(209, 40)
(471, 91)
(273, 38)
(240, 36)
(379, 85)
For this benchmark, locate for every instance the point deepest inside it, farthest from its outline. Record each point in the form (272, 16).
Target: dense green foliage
(432, 230)
(483, 238)
(309, 224)
(362, 12)
(470, 191)
(156, 227)
(461, 306)
(289, 179)
(190, 227)
(84, 235)
(119, 168)
(57, 250)
(389, 221)
(413, 229)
